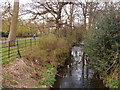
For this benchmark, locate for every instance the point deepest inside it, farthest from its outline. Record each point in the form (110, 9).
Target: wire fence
(17, 51)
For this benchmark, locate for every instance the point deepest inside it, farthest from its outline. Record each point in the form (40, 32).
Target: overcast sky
(28, 1)
(21, 1)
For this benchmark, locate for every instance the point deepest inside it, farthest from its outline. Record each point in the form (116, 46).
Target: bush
(102, 44)
(111, 82)
(4, 34)
(49, 53)
(69, 35)
(50, 49)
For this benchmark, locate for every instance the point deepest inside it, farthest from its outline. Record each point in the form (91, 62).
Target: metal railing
(16, 51)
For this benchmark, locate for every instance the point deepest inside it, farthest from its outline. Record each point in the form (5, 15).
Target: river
(76, 73)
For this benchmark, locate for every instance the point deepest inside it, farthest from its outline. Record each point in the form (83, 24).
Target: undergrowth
(49, 53)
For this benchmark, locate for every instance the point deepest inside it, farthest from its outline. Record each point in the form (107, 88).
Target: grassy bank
(50, 53)
(40, 64)
(12, 52)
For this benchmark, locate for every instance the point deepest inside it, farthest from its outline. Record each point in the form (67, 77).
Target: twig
(59, 75)
(111, 66)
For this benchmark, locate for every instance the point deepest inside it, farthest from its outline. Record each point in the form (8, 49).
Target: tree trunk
(57, 27)
(13, 27)
(85, 15)
(90, 19)
(85, 22)
(71, 16)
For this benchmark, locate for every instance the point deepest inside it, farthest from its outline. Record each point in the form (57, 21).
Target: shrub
(50, 49)
(69, 35)
(111, 82)
(102, 44)
(49, 53)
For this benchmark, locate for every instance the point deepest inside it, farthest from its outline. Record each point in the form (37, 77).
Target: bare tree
(89, 10)
(6, 14)
(92, 10)
(71, 15)
(52, 8)
(13, 27)
(84, 10)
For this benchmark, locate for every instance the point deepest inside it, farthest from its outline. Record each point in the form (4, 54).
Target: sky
(21, 1)
(28, 1)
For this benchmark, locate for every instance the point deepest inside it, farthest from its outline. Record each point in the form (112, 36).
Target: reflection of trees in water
(80, 59)
(70, 71)
(83, 68)
(78, 73)
(76, 53)
(87, 71)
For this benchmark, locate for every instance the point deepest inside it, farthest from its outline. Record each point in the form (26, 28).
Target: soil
(17, 74)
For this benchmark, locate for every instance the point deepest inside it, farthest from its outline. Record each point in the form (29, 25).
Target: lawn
(11, 53)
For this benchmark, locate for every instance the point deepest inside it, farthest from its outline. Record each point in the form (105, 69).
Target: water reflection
(77, 74)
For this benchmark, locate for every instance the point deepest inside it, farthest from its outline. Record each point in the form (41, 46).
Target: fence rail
(16, 51)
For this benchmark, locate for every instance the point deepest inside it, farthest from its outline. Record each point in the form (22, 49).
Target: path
(5, 41)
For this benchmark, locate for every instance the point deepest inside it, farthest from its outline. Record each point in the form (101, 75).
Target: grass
(22, 45)
(5, 38)
(111, 82)
(41, 62)
(49, 53)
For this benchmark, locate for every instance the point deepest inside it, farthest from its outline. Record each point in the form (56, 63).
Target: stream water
(76, 74)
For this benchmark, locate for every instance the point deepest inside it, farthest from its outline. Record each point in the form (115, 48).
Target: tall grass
(49, 53)
(49, 49)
